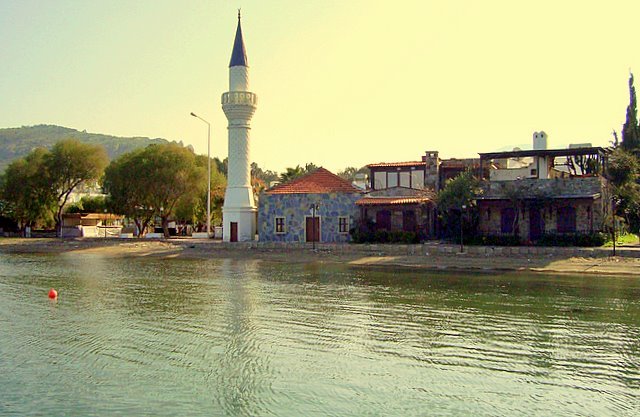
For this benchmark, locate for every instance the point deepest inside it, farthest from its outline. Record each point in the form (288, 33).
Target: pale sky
(339, 83)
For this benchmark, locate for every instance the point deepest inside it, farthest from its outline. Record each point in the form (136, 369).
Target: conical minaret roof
(239, 54)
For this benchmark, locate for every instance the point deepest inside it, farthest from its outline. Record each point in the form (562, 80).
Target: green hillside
(18, 142)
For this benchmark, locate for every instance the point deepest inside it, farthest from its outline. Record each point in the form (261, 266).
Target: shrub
(573, 239)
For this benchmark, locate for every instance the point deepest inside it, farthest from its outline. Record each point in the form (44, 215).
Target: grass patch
(624, 239)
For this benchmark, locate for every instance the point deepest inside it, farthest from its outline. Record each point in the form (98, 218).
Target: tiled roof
(320, 181)
(396, 164)
(384, 201)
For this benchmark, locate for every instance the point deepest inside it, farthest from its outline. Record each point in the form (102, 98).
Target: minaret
(239, 210)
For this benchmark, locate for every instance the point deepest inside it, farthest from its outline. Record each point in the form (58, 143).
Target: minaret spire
(239, 54)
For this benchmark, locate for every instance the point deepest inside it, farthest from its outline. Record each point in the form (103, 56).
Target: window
(566, 221)
(507, 220)
(343, 224)
(417, 179)
(379, 180)
(405, 179)
(392, 179)
(279, 225)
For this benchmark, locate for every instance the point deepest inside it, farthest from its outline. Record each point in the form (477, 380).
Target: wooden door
(312, 230)
(234, 232)
(535, 224)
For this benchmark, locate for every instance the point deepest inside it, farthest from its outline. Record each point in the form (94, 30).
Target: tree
(69, 164)
(292, 173)
(267, 177)
(298, 171)
(622, 171)
(125, 183)
(151, 182)
(29, 198)
(349, 173)
(631, 129)
(88, 204)
(458, 192)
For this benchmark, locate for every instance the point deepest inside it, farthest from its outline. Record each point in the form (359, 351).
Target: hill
(18, 142)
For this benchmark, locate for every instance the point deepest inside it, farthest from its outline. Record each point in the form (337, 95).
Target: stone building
(544, 191)
(317, 207)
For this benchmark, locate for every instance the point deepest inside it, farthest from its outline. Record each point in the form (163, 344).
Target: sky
(339, 83)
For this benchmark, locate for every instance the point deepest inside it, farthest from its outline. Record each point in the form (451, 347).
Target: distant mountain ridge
(18, 142)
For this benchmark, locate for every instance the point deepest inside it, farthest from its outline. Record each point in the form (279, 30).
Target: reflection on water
(230, 337)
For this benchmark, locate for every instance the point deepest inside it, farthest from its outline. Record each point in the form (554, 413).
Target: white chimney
(539, 141)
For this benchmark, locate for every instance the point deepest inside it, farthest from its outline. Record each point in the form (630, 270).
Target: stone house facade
(551, 201)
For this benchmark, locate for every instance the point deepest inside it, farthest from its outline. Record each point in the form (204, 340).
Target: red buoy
(53, 294)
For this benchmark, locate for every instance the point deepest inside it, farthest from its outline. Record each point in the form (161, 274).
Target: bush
(363, 235)
(573, 239)
(493, 240)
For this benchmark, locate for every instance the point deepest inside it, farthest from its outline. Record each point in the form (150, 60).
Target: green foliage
(88, 205)
(623, 167)
(456, 204)
(28, 197)
(70, 164)
(631, 128)
(18, 142)
(152, 181)
(349, 173)
(493, 240)
(573, 239)
(292, 173)
(384, 236)
(267, 177)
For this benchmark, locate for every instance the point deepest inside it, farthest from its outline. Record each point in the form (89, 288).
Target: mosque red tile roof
(320, 181)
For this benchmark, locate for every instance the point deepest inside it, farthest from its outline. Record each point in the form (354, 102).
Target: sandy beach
(207, 249)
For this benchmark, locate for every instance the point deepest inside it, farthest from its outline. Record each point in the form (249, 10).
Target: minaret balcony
(239, 97)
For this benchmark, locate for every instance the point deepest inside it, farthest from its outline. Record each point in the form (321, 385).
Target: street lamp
(208, 173)
(314, 208)
(462, 209)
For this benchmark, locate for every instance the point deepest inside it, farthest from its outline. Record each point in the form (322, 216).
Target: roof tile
(320, 181)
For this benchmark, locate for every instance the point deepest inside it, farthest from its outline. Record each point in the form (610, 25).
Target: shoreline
(384, 256)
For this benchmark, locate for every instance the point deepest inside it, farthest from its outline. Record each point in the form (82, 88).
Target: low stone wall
(436, 249)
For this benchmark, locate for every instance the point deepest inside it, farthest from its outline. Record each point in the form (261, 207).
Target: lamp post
(314, 208)
(208, 173)
(462, 209)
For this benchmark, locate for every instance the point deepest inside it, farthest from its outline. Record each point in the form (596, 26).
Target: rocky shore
(429, 256)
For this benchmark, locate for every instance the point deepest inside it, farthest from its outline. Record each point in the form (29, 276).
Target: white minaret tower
(239, 210)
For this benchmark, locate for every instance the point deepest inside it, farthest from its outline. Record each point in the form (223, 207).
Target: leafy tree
(28, 197)
(192, 207)
(68, 165)
(266, 177)
(349, 173)
(457, 193)
(292, 173)
(298, 171)
(631, 129)
(88, 205)
(622, 171)
(151, 182)
(125, 183)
